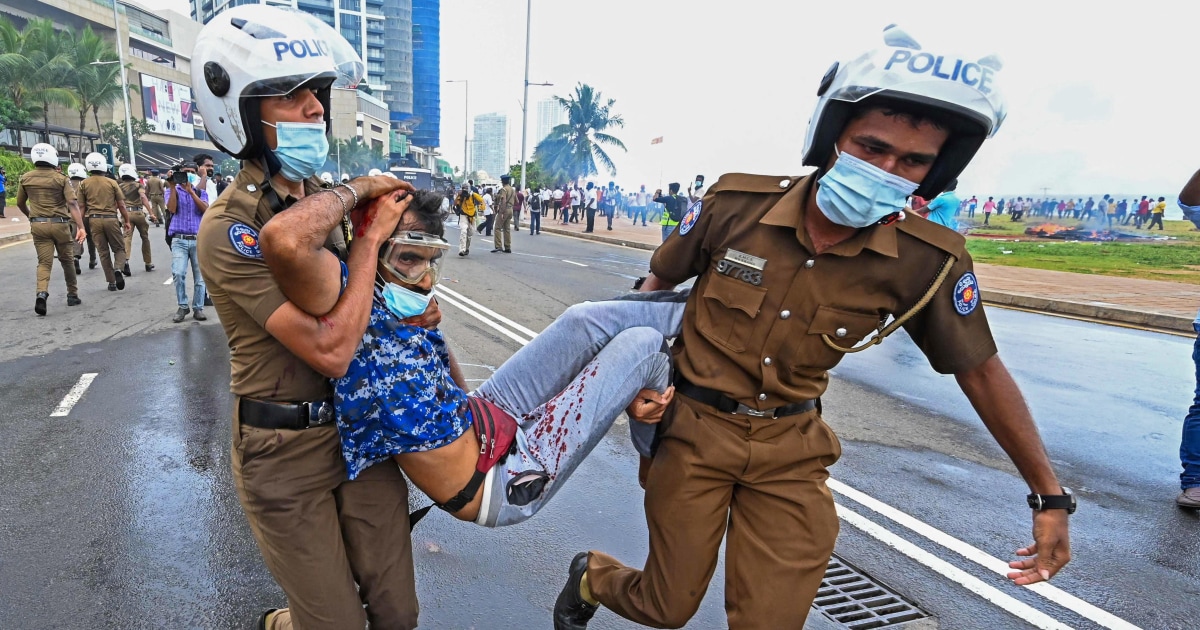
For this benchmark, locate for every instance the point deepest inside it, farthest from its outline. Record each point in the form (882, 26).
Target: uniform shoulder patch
(690, 218)
(245, 240)
(966, 294)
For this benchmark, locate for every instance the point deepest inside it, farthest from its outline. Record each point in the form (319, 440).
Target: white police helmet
(327, 177)
(962, 89)
(390, 174)
(42, 153)
(345, 178)
(95, 162)
(254, 51)
(127, 170)
(373, 172)
(76, 170)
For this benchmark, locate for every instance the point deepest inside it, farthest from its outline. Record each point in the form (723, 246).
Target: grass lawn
(1176, 260)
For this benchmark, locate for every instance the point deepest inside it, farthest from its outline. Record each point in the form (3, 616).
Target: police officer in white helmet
(48, 199)
(103, 205)
(792, 274)
(261, 77)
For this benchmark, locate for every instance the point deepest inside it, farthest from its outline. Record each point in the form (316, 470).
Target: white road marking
(502, 330)
(572, 262)
(169, 281)
(978, 556)
(14, 244)
(1008, 603)
(73, 396)
(476, 305)
(964, 579)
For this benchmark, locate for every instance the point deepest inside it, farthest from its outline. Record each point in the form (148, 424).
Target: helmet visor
(341, 66)
(413, 255)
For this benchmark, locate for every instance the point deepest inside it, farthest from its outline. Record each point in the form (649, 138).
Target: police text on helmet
(968, 72)
(301, 48)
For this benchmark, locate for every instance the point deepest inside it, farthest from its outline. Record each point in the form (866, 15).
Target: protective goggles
(413, 255)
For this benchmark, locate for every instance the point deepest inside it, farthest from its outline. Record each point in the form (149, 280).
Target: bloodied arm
(293, 242)
(999, 403)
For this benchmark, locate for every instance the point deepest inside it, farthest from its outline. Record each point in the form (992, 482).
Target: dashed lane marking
(169, 280)
(572, 262)
(73, 396)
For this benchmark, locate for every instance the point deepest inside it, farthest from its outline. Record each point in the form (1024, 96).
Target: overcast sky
(1100, 98)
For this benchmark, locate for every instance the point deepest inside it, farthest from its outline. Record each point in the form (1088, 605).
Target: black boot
(125, 270)
(39, 305)
(77, 269)
(112, 286)
(120, 281)
(570, 611)
(149, 267)
(73, 300)
(92, 264)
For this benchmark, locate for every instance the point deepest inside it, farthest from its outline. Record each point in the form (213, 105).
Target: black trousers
(591, 219)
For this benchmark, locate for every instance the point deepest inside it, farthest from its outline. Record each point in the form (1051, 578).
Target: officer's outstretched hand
(1050, 551)
(648, 406)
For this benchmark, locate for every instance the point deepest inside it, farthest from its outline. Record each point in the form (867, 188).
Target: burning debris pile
(1063, 233)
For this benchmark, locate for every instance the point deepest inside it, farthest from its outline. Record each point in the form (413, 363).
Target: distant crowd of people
(948, 206)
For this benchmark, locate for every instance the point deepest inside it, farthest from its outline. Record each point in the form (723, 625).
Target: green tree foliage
(95, 85)
(534, 177)
(11, 115)
(573, 149)
(14, 167)
(356, 158)
(114, 134)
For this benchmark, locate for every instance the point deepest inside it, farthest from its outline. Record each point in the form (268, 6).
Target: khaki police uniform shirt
(246, 295)
(130, 191)
(46, 192)
(154, 186)
(761, 344)
(98, 195)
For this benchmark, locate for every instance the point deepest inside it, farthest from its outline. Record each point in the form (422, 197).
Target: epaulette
(743, 182)
(939, 236)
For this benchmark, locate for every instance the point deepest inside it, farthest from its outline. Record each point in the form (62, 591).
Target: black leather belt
(48, 220)
(133, 208)
(723, 403)
(186, 237)
(100, 216)
(291, 416)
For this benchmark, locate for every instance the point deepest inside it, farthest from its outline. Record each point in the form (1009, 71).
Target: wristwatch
(1064, 501)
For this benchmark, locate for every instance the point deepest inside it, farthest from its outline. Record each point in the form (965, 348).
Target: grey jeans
(568, 386)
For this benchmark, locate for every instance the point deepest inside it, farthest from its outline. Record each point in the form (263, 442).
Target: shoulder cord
(884, 331)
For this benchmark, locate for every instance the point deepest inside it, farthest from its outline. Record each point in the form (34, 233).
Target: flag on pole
(657, 140)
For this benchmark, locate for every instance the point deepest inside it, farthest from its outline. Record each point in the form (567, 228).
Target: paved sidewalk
(13, 231)
(1167, 306)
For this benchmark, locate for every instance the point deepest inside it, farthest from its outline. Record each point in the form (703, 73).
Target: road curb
(1104, 313)
(15, 238)
(601, 239)
(1099, 312)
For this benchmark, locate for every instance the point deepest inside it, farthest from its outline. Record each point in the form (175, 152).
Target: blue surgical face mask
(405, 303)
(302, 149)
(193, 179)
(858, 194)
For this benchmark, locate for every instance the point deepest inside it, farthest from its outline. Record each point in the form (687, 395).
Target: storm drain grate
(856, 601)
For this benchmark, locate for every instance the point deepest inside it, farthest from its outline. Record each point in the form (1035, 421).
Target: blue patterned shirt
(397, 395)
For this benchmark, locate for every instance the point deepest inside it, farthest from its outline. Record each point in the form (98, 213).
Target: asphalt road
(122, 514)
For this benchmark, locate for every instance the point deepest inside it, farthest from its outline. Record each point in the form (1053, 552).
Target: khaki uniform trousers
(49, 239)
(320, 533)
(137, 218)
(157, 207)
(107, 234)
(502, 230)
(760, 482)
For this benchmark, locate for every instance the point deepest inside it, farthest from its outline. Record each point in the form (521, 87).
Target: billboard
(168, 106)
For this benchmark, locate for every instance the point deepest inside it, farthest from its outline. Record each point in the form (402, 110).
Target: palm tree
(50, 58)
(356, 157)
(13, 65)
(96, 86)
(573, 149)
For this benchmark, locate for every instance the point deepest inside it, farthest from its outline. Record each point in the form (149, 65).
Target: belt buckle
(748, 411)
(324, 414)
